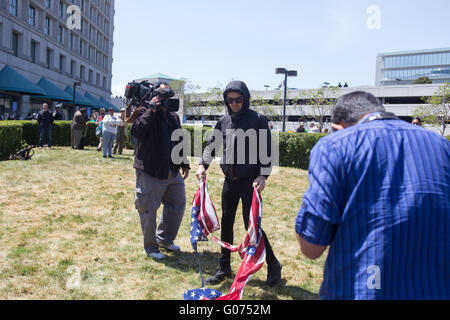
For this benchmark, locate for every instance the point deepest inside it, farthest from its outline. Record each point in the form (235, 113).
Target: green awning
(80, 100)
(108, 104)
(97, 103)
(53, 92)
(12, 81)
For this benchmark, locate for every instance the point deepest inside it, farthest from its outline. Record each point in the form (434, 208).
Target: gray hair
(351, 107)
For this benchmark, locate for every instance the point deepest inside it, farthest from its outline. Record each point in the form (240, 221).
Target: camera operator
(158, 179)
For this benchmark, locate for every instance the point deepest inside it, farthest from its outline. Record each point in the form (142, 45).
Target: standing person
(45, 120)
(379, 197)
(78, 125)
(109, 132)
(240, 177)
(158, 179)
(98, 122)
(121, 133)
(417, 122)
(58, 112)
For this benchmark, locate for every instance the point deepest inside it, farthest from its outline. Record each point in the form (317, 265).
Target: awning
(12, 81)
(80, 100)
(53, 92)
(108, 104)
(97, 103)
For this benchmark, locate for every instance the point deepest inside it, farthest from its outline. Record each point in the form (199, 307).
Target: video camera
(140, 94)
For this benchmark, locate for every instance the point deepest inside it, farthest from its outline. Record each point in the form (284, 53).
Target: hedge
(10, 139)
(294, 148)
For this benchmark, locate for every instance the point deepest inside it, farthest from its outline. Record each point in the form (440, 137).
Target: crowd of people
(110, 129)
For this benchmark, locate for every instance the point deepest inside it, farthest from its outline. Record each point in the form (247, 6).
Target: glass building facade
(406, 67)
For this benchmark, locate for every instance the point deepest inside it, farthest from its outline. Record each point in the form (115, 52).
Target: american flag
(204, 221)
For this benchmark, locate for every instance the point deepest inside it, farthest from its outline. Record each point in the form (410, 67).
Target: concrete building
(399, 99)
(49, 39)
(404, 67)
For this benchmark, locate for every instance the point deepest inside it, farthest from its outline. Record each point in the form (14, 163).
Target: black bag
(83, 140)
(23, 154)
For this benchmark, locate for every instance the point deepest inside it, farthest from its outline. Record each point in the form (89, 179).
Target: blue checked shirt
(379, 196)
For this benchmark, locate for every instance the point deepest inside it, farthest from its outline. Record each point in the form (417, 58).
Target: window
(33, 52)
(81, 46)
(91, 76)
(104, 82)
(61, 9)
(62, 63)
(49, 58)
(47, 26)
(60, 34)
(82, 72)
(13, 7)
(71, 41)
(15, 43)
(48, 3)
(32, 16)
(72, 68)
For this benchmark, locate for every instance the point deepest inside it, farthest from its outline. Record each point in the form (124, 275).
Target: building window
(15, 43)
(49, 58)
(33, 51)
(47, 26)
(62, 63)
(82, 72)
(32, 16)
(61, 9)
(81, 46)
(104, 82)
(13, 7)
(48, 3)
(60, 34)
(72, 68)
(91, 76)
(71, 41)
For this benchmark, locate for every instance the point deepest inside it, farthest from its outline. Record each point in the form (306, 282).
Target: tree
(320, 102)
(437, 110)
(422, 80)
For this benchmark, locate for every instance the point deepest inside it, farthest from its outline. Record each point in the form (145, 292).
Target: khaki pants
(150, 193)
(75, 138)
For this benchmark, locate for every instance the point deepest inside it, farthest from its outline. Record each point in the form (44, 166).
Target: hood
(239, 87)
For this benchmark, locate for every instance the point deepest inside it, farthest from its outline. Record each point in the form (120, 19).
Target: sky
(212, 42)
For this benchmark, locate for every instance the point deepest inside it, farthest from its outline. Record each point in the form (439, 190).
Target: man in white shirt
(109, 132)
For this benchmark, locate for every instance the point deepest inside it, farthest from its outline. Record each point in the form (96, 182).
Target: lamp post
(290, 73)
(75, 84)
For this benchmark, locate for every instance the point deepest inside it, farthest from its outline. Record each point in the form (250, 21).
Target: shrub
(296, 147)
(10, 138)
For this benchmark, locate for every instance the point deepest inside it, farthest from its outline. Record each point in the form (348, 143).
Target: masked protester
(241, 173)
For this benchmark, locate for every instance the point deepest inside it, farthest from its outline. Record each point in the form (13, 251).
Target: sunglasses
(237, 100)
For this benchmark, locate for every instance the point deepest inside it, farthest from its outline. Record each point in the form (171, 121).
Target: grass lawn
(69, 230)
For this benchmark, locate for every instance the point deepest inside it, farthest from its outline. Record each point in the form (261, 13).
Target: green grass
(68, 210)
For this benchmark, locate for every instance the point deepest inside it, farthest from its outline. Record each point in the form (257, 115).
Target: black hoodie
(244, 119)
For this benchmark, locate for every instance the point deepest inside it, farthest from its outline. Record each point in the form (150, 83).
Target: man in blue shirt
(379, 197)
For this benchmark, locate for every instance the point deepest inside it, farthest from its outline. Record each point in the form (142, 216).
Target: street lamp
(287, 73)
(75, 84)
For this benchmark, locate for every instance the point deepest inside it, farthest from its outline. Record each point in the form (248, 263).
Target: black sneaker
(273, 273)
(219, 276)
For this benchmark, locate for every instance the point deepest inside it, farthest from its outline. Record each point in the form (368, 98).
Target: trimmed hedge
(294, 148)
(10, 139)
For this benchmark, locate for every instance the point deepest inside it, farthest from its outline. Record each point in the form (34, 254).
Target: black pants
(232, 191)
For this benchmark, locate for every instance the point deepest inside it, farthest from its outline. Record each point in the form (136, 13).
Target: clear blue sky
(212, 42)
